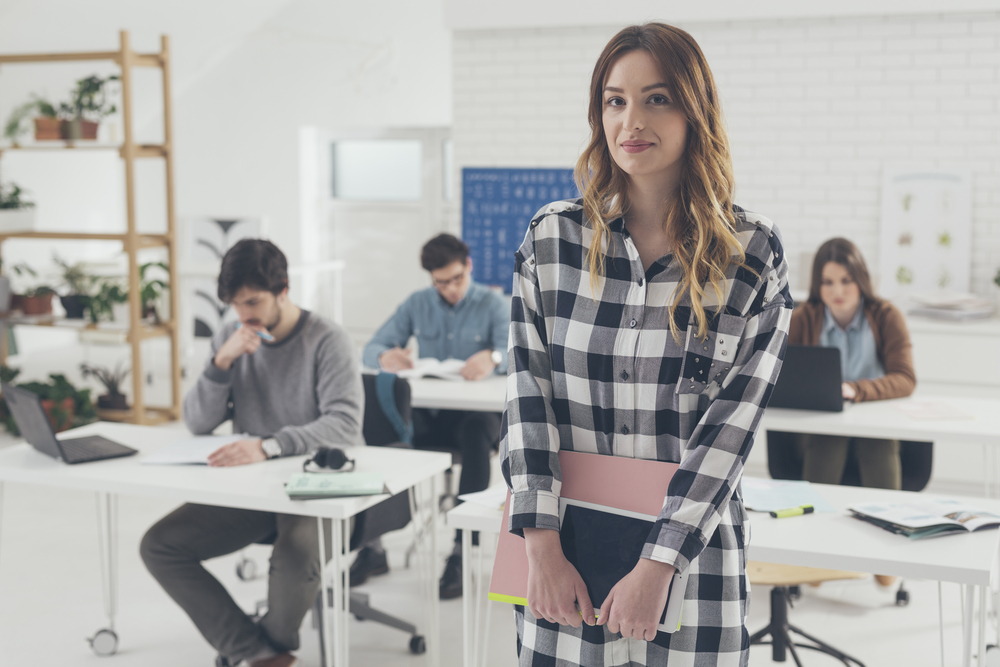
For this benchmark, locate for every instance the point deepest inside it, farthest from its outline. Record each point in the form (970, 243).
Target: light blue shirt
(480, 321)
(858, 355)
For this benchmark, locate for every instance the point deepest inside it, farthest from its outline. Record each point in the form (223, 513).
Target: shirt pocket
(706, 362)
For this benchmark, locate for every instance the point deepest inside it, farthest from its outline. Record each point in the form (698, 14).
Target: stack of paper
(947, 305)
(314, 485)
(449, 369)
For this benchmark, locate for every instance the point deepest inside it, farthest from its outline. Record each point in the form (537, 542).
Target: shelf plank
(141, 150)
(145, 240)
(137, 59)
(152, 415)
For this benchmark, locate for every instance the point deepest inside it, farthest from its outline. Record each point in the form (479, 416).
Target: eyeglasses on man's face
(444, 283)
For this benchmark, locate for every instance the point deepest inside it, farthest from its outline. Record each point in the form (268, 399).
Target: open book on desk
(925, 517)
(428, 367)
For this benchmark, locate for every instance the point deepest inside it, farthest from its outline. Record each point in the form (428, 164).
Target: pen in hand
(263, 334)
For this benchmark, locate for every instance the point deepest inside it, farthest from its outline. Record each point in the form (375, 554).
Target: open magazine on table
(926, 517)
(449, 369)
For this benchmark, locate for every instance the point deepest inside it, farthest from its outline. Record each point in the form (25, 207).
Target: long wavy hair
(843, 252)
(699, 220)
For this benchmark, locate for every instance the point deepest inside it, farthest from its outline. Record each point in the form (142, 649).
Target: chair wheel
(902, 598)
(418, 645)
(246, 569)
(104, 642)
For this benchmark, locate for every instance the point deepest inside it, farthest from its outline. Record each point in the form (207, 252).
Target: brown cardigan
(892, 341)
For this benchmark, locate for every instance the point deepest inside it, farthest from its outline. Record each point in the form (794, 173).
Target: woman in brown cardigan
(843, 311)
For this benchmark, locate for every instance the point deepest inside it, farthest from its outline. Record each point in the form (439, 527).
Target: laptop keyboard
(92, 448)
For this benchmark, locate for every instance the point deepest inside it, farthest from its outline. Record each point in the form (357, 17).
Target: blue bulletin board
(497, 205)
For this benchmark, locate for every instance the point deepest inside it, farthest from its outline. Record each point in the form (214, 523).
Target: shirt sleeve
(529, 440)
(712, 463)
(339, 395)
(394, 333)
(209, 403)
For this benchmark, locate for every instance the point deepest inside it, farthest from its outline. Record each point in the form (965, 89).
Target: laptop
(34, 425)
(810, 379)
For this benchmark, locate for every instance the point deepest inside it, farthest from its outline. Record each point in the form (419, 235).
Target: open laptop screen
(31, 420)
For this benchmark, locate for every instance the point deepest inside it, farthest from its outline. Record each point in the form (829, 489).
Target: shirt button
(624, 375)
(640, 282)
(632, 324)
(724, 353)
(451, 335)
(624, 430)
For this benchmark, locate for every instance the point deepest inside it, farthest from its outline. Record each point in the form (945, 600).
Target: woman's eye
(659, 99)
(615, 102)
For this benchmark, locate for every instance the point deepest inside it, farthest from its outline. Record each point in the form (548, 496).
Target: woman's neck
(644, 221)
(844, 318)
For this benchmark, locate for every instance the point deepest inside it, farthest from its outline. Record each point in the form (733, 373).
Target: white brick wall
(815, 108)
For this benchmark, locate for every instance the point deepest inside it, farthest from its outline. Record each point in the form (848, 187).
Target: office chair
(916, 460)
(381, 428)
(783, 578)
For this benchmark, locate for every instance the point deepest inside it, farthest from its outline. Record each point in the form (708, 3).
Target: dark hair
(253, 263)
(441, 251)
(846, 254)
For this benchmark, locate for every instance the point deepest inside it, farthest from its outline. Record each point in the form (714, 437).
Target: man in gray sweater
(290, 380)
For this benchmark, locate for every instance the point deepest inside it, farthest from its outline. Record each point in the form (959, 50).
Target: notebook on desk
(810, 379)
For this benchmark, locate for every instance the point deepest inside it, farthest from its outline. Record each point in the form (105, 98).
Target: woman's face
(838, 291)
(646, 131)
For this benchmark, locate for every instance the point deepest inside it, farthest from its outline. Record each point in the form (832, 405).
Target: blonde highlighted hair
(699, 220)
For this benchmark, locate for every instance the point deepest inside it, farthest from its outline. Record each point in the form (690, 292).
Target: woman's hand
(847, 389)
(555, 588)
(635, 604)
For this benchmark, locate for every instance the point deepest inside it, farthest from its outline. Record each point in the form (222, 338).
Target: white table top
(884, 419)
(837, 541)
(257, 486)
(487, 395)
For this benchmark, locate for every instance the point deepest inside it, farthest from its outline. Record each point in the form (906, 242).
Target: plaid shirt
(601, 373)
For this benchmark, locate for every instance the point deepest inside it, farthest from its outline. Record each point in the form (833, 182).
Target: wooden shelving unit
(132, 240)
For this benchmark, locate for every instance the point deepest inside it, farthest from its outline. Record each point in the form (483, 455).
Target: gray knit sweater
(304, 390)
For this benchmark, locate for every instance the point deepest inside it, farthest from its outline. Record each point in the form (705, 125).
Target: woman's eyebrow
(612, 89)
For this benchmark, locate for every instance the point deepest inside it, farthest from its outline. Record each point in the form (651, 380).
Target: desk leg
(434, 631)
(470, 626)
(1, 500)
(107, 535)
(326, 640)
(343, 601)
(968, 599)
(982, 624)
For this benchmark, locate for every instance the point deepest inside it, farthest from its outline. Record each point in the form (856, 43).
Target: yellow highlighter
(793, 511)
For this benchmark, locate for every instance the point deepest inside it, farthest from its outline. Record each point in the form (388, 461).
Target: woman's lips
(635, 146)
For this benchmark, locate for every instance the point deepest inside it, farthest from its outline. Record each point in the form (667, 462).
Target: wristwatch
(271, 447)
(496, 357)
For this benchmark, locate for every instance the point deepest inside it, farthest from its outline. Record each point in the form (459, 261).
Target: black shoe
(368, 563)
(450, 585)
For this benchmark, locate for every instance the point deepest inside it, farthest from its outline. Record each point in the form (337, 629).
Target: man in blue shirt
(457, 318)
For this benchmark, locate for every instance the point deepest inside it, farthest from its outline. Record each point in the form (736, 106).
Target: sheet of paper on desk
(932, 411)
(318, 485)
(449, 369)
(493, 497)
(771, 495)
(190, 451)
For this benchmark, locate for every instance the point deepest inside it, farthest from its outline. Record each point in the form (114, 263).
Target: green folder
(313, 485)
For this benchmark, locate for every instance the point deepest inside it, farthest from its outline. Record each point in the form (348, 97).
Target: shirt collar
(829, 324)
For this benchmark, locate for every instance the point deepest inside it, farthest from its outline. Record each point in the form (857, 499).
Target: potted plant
(88, 104)
(78, 282)
(66, 406)
(12, 301)
(112, 380)
(37, 300)
(46, 119)
(150, 290)
(16, 213)
(101, 303)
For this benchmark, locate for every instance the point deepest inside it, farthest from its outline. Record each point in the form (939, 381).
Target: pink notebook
(637, 485)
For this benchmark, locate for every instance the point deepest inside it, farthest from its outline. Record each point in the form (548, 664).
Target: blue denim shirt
(858, 355)
(480, 321)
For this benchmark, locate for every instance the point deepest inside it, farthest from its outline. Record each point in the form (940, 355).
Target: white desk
(830, 540)
(255, 487)
(884, 419)
(487, 395)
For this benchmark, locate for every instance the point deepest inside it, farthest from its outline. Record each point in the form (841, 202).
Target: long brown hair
(846, 254)
(699, 221)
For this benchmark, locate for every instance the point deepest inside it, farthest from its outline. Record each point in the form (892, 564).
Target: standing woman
(875, 357)
(649, 321)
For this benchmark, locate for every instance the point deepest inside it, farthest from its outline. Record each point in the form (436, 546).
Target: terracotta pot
(37, 305)
(64, 420)
(78, 129)
(47, 129)
(112, 402)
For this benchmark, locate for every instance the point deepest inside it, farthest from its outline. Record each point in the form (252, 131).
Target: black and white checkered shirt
(600, 372)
